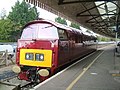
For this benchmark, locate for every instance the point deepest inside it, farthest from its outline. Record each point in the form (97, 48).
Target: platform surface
(100, 73)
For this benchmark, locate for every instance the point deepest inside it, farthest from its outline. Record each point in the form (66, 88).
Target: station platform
(98, 71)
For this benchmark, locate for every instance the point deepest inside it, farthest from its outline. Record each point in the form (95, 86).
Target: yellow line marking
(85, 69)
(116, 75)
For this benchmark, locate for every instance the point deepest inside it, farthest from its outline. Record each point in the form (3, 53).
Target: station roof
(100, 16)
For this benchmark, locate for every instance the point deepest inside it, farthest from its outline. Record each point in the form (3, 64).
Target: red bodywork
(38, 44)
(64, 51)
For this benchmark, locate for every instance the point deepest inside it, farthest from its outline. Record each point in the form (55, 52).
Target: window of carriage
(62, 34)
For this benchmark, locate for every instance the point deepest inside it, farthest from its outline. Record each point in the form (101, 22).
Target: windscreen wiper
(47, 26)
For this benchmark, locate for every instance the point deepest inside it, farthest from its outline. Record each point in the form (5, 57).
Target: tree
(7, 27)
(21, 14)
(61, 21)
(75, 26)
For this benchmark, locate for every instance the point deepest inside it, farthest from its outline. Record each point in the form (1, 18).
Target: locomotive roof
(50, 22)
(89, 34)
(59, 26)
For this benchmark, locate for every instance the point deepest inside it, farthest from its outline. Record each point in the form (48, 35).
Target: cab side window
(62, 34)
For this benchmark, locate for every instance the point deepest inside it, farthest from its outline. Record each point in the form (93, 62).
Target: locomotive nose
(43, 72)
(16, 69)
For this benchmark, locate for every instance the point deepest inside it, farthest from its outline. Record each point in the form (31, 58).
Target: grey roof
(100, 16)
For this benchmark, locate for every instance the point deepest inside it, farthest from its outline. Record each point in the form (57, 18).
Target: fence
(5, 58)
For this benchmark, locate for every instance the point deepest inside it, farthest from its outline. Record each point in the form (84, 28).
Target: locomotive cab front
(36, 51)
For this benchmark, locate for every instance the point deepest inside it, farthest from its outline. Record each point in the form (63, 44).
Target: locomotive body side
(74, 44)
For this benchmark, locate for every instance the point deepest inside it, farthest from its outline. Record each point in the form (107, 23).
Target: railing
(5, 58)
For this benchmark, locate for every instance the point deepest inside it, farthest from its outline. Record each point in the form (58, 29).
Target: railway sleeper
(9, 86)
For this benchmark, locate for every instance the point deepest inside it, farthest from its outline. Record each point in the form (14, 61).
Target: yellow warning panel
(30, 57)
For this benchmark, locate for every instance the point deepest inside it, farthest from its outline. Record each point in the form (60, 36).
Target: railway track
(7, 75)
(9, 81)
(9, 85)
(28, 86)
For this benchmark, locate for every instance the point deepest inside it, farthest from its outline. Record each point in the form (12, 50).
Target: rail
(9, 86)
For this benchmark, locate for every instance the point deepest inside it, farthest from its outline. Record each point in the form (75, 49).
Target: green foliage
(75, 26)
(103, 39)
(10, 27)
(22, 13)
(61, 21)
(8, 30)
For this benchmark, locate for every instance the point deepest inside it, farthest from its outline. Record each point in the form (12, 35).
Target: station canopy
(100, 16)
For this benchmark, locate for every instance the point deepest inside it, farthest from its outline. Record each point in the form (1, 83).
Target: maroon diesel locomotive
(45, 46)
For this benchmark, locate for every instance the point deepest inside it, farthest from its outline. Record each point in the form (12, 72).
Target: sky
(6, 4)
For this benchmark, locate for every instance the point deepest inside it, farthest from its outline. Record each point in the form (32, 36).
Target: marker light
(39, 57)
(29, 56)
